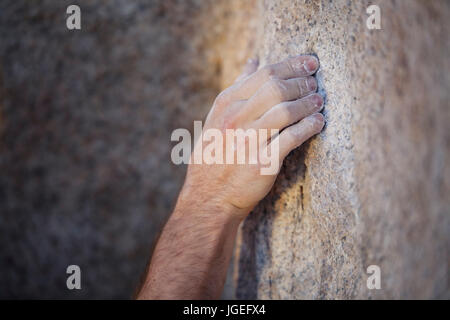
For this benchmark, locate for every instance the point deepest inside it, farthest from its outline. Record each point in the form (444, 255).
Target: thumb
(250, 67)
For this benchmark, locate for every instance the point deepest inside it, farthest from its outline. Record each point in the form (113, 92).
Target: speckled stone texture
(373, 187)
(85, 124)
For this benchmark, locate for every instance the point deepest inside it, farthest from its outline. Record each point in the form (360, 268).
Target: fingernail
(311, 64)
(318, 101)
(319, 121)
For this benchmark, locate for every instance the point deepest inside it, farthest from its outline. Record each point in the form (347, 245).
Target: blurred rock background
(86, 118)
(85, 123)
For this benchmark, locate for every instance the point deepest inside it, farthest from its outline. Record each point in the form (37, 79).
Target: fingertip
(311, 64)
(318, 121)
(317, 100)
(295, 135)
(314, 63)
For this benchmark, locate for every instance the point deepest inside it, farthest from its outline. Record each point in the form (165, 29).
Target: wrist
(208, 204)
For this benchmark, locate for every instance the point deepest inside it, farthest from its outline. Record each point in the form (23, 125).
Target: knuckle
(311, 83)
(276, 88)
(229, 121)
(269, 71)
(303, 86)
(289, 66)
(286, 111)
(319, 122)
(222, 100)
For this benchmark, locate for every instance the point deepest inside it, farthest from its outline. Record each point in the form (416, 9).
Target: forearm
(191, 258)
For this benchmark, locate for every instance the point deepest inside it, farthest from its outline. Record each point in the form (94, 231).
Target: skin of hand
(191, 257)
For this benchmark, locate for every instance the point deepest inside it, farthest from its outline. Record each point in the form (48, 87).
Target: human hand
(278, 96)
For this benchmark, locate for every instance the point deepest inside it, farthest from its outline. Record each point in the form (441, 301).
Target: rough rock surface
(85, 123)
(373, 187)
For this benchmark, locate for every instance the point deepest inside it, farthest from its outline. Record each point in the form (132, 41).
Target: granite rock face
(372, 188)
